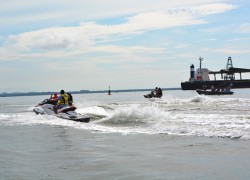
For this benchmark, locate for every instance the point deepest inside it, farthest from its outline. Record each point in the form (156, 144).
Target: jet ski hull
(64, 113)
(75, 117)
(151, 96)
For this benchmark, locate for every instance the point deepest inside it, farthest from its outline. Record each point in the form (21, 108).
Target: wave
(134, 115)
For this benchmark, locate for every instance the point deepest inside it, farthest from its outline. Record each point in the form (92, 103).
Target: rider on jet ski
(61, 107)
(62, 101)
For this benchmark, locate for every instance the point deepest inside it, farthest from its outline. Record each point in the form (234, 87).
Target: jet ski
(152, 95)
(68, 112)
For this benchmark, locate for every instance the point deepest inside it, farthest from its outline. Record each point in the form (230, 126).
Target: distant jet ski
(68, 112)
(157, 93)
(152, 95)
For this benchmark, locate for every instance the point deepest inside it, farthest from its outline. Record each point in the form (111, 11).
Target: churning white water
(174, 114)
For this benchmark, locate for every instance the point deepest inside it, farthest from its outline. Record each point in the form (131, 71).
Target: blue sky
(83, 44)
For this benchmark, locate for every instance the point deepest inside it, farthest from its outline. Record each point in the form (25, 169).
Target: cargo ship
(200, 79)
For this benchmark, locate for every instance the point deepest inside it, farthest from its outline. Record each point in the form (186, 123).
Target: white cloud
(209, 9)
(86, 36)
(91, 9)
(61, 12)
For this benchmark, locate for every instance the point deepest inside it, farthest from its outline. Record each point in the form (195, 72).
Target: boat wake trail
(198, 116)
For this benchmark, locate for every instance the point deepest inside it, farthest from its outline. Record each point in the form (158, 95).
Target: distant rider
(70, 99)
(153, 93)
(158, 93)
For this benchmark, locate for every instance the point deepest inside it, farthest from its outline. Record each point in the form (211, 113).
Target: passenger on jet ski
(154, 92)
(53, 96)
(70, 99)
(51, 100)
(158, 92)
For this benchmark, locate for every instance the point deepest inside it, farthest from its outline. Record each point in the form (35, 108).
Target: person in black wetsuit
(70, 101)
(158, 93)
(154, 92)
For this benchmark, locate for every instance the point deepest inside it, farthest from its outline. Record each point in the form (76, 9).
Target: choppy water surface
(174, 114)
(180, 136)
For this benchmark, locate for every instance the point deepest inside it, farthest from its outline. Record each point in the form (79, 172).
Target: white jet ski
(68, 112)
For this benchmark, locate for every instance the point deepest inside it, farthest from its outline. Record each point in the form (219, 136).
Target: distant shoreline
(79, 92)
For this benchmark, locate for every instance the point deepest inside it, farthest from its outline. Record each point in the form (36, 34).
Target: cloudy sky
(90, 44)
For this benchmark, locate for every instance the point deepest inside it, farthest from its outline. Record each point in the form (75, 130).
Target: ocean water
(180, 136)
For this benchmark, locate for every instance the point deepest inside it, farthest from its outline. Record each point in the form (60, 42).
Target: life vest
(65, 99)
